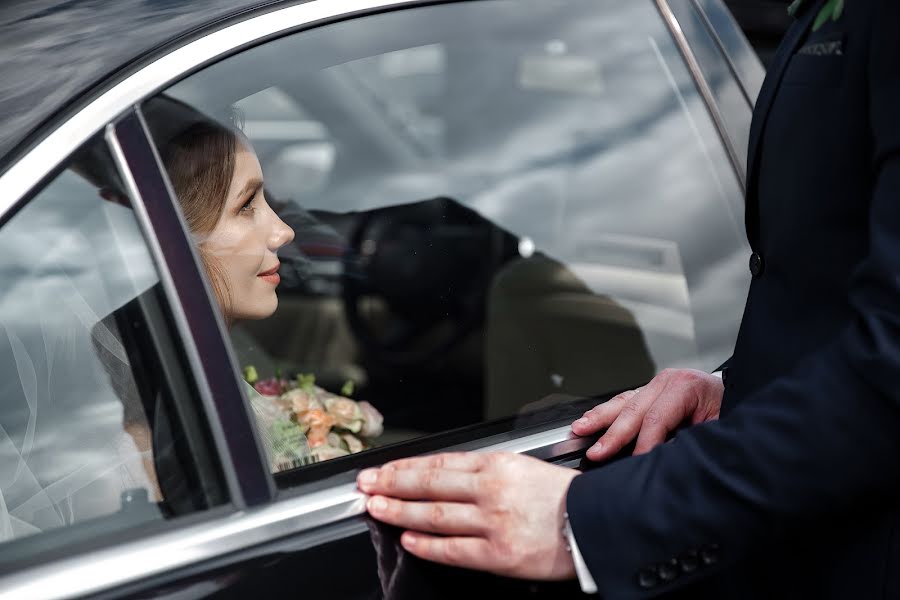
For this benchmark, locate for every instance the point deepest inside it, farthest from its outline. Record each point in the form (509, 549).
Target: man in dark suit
(792, 486)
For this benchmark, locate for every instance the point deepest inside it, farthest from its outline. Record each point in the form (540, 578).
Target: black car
(505, 212)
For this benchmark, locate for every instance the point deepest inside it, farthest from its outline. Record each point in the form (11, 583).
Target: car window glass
(297, 150)
(497, 207)
(99, 427)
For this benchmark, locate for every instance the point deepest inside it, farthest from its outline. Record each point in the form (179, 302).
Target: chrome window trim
(703, 87)
(182, 327)
(50, 152)
(119, 565)
(750, 80)
(717, 40)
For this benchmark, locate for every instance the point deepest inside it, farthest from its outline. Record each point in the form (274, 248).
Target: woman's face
(243, 243)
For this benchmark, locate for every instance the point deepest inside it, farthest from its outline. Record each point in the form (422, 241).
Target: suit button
(710, 554)
(669, 570)
(647, 578)
(757, 266)
(689, 561)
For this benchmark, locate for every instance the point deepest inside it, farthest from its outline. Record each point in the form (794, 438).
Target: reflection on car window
(497, 206)
(98, 429)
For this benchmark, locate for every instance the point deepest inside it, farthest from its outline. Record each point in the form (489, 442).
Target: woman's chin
(258, 310)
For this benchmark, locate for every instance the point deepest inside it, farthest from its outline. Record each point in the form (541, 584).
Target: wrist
(563, 562)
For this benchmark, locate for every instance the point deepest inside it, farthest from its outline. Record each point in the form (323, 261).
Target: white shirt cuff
(588, 586)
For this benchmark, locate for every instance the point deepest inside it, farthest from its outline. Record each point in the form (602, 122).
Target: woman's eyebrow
(251, 186)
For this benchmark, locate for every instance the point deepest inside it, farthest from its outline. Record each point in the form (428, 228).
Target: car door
(505, 212)
(108, 430)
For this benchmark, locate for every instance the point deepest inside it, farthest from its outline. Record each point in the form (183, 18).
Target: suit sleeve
(822, 440)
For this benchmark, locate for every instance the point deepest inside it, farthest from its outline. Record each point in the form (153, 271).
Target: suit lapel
(761, 111)
(773, 79)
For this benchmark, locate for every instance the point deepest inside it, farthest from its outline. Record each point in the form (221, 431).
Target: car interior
(428, 306)
(442, 316)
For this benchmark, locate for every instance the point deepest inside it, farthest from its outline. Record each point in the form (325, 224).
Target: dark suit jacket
(794, 491)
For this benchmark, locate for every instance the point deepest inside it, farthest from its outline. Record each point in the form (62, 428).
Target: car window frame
(324, 499)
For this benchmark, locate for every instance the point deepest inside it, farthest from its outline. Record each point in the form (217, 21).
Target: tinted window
(497, 206)
(99, 427)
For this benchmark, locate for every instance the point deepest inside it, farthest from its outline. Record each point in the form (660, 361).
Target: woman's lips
(271, 275)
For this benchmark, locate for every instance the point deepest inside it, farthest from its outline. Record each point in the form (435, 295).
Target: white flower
(374, 420)
(346, 412)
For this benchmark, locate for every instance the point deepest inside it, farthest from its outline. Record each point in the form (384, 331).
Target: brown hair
(200, 163)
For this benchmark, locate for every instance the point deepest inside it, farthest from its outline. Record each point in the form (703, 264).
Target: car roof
(53, 53)
(56, 55)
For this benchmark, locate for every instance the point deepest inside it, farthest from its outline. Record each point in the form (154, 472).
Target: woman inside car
(218, 181)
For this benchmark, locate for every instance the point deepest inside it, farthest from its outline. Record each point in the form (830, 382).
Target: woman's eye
(248, 206)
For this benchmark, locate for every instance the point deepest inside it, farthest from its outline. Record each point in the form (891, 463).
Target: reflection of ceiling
(633, 157)
(461, 102)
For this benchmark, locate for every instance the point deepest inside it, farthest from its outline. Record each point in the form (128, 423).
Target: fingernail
(368, 477)
(581, 422)
(409, 540)
(597, 448)
(377, 505)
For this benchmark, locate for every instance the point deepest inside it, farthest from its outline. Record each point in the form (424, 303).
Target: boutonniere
(833, 10)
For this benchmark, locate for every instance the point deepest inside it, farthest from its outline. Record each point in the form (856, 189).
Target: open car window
(100, 429)
(501, 210)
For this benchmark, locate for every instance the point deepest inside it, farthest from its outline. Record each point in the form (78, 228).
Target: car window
(498, 207)
(99, 425)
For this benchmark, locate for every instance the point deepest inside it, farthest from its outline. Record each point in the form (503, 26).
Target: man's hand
(501, 512)
(649, 413)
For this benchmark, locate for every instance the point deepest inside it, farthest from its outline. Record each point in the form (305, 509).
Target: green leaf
(306, 382)
(347, 388)
(824, 14)
(250, 374)
(794, 7)
(278, 373)
(838, 10)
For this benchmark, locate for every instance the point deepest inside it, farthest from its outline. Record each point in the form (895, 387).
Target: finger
(445, 518)
(466, 552)
(624, 429)
(602, 415)
(419, 484)
(661, 418)
(455, 461)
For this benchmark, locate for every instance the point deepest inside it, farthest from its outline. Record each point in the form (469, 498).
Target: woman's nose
(281, 234)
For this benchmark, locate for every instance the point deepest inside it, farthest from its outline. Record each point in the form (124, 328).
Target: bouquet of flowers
(334, 425)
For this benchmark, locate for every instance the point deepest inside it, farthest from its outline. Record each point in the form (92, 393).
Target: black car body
(507, 211)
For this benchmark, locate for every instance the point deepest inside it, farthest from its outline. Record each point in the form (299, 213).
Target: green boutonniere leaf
(833, 10)
(838, 10)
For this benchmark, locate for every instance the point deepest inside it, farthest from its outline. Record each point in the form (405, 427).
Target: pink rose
(268, 387)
